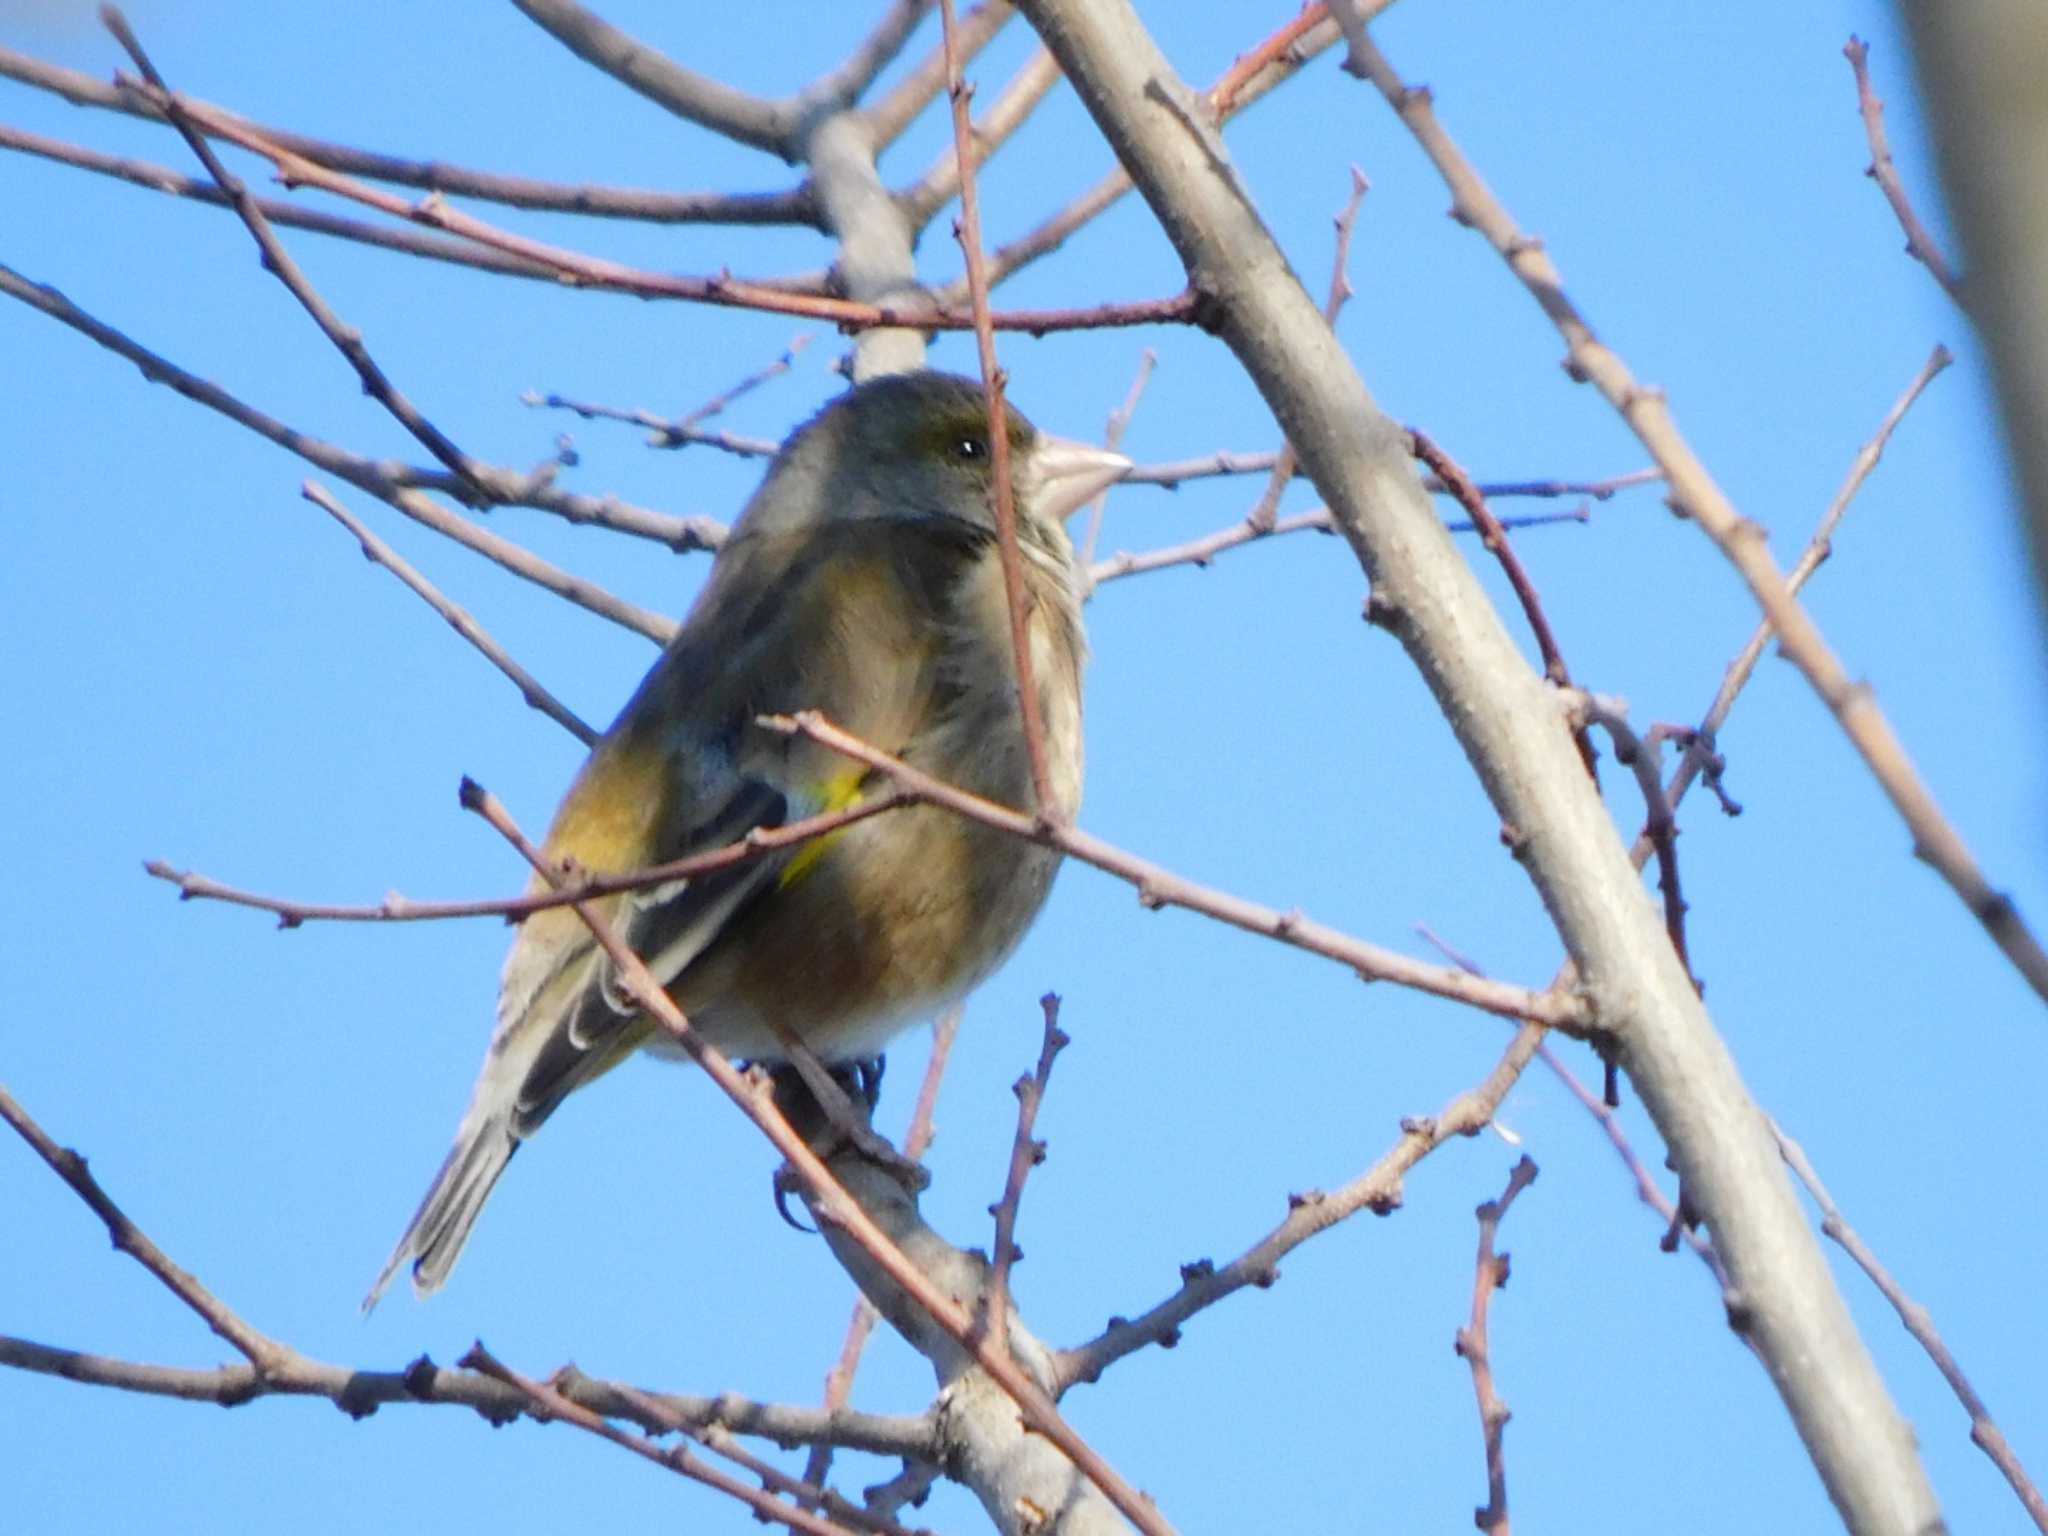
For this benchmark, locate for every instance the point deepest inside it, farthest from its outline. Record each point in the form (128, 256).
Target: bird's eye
(967, 449)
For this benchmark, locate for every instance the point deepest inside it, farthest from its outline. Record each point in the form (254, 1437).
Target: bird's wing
(843, 619)
(847, 619)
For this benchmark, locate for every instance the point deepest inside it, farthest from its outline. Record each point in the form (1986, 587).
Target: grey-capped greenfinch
(862, 580)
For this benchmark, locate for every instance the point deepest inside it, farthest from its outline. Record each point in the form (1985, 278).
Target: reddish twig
(346, 339)
(1984, 1432)
(571, 886)
(1026, 1153)
(1659, 825)
(1494, 536)
(1491, 1274)
(1883, 170)
(1158, 887)
(1003, 493)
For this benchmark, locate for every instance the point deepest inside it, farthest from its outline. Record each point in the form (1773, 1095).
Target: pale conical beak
(1069, 474)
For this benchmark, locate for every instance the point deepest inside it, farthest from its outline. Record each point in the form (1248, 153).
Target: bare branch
(158, 178)
(1883, 170)
(924, 197)
(916, 1139)
(885, 121)
(1026, 1153)
(843, 86)
(1556, 825)
(359, 1393)
(1272, 63)
(1267, 508)
(347, 340)
(1112, 436)
(386, 482)
(750, 120)
(1490, 1274)
(1639, 756)
(1984, 1432)
(1695, 494)
(1699, 753)
(377, 552)
(545, 1403)
(1378, 1189)
(262, 1352)
(1201, 551)
(1158, 887)
(637, 203)
(570, 886)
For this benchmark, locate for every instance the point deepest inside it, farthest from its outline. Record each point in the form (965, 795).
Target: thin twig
(1883, 170)
(571, 887)
(377, 552)
(1610, 1123)
(807, 1492)
(1378, 1189)
(1695, 494)
(1112, 437)
(1002, 497)
(359, 1393)
(884, 122)
(547, 1403)
(1200, 552)
(579, 269)
(1158, 887)
(1495, 539)
(1659, 825)
(276, 260)
(263, 1353)
(604, 202)
(1267, 508)
(387, 483)
(923, 198)
(1699, 756)
(746, 386)
(1274, 61)
(161, 178)
(1984, 1432)
(1026, 1153)
(1491, 1274)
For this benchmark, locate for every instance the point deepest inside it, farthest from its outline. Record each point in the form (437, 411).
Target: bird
(863, 580)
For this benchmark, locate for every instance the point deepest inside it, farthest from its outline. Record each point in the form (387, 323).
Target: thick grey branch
(1783, 1298)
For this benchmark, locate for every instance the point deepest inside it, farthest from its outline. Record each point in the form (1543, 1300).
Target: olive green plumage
(862, 580)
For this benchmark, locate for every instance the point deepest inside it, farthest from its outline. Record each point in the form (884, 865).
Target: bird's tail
(433, 1241)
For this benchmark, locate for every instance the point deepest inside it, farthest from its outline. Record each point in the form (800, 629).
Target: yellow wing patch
(835, 794)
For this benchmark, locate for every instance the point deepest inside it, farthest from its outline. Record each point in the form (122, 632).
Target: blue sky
(198, 667)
